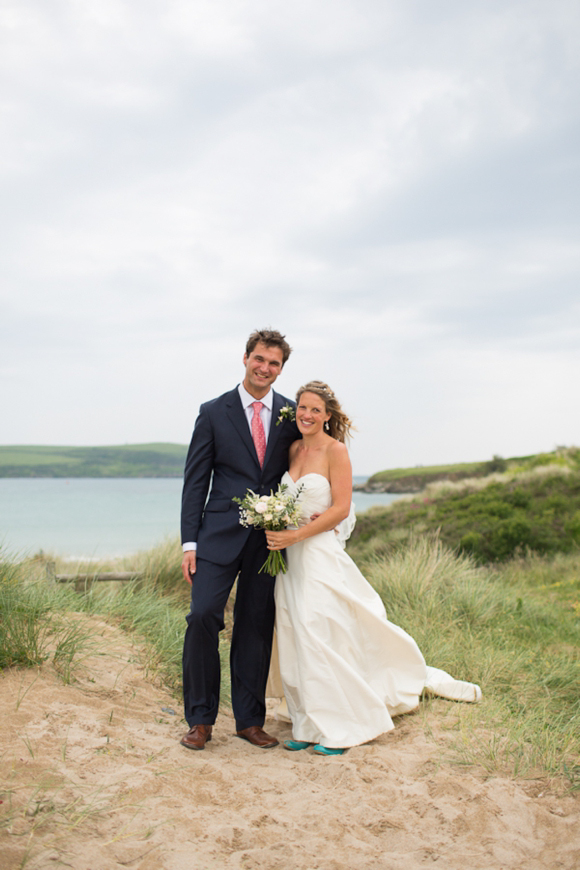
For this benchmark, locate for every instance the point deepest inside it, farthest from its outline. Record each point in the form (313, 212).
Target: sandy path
(92, 777)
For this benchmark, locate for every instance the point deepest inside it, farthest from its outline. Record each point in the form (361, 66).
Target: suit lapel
(237, 415)
(274, 433)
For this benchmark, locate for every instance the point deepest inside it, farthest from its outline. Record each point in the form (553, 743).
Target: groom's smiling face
(263, 365)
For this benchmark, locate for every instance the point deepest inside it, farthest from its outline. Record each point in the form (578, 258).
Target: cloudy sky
(392, 183)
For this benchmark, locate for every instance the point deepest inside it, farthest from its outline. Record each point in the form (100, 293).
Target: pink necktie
(258, 432)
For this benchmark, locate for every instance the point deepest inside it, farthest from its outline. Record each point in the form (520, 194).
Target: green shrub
(518, 498)
(472, 544)
(495, 464)
(536, 510)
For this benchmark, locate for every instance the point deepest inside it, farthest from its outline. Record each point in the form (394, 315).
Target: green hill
(533, 505)
(408, 480)
(127, 460)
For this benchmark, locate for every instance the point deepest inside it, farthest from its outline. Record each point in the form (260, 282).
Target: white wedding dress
(344, 669)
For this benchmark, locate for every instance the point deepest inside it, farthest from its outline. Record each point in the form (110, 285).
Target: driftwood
(91, 578)
(84, 581)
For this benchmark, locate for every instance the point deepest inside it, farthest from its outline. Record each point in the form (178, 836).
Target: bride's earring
(326, 426)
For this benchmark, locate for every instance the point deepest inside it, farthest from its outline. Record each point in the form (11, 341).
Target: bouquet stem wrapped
(274, 564)
(274, 512)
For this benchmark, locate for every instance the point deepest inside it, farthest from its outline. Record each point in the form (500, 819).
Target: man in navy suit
(236, 446)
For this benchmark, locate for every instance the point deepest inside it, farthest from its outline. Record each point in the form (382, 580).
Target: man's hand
(188, 566)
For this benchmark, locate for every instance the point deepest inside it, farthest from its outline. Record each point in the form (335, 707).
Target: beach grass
(161, 568)
(37, 614)
(505, 629)
(35, 620)
(157, 618)
(513, 628)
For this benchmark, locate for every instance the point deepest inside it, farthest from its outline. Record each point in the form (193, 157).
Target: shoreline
(91, 520)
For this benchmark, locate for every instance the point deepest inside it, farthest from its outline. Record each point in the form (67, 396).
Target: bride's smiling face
(311, 414)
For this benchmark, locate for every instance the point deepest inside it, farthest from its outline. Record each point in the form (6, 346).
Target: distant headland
(126, 460)
(167, 460)
(413, 480)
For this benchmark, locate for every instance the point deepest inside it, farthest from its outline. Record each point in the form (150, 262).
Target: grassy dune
(514, 629)
(527, 508)
(508, 630)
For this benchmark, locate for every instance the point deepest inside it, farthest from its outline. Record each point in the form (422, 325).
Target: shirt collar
(247, 399)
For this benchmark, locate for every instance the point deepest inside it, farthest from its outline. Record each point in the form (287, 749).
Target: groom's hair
(271, 338)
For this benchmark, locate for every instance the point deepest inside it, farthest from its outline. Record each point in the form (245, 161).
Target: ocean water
(99, 517)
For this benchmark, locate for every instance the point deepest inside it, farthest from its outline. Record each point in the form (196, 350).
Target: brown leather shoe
(197, 736)
(257, 737)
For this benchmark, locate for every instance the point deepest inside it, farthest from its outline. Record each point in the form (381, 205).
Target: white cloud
(391, 183)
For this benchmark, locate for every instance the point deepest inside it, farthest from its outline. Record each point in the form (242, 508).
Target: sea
(98, 518)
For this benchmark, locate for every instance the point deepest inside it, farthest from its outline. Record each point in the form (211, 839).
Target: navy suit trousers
(253, 623)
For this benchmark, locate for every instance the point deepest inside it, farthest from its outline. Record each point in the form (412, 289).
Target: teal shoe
(295, 745)
(324, 750)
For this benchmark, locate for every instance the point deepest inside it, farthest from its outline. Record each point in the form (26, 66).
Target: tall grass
(33, 613)
(21, 629)
(499, 629)
(433, 593)
(159, 619)
(34, 620)
(161, 568)
(514, 629)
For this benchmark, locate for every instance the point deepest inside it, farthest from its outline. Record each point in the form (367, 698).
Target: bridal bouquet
(273, 512)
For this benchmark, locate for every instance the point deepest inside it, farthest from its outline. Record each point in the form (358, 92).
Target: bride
(345, 669)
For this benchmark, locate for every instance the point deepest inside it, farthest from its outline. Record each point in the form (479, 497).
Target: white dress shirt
(265, 416)
(265, 413)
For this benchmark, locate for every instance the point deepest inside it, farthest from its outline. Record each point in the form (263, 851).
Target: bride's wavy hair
(339, 426)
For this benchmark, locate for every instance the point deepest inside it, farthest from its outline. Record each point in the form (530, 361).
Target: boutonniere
(286, 413)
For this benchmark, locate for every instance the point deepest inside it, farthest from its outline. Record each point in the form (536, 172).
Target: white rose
(261, 508)
(286, 518)
(267, 517)
(250, 521)
(278, 506)
(264, 498)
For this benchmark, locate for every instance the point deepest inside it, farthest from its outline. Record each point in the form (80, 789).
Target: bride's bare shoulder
(337, 452)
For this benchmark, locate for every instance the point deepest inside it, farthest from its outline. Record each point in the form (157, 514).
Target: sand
(92, 776)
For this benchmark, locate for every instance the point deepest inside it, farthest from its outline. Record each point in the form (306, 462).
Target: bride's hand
(280, 540)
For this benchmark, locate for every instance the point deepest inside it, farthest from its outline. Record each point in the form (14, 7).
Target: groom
(236, 446)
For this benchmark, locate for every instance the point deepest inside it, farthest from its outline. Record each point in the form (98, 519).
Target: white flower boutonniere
(286, 413)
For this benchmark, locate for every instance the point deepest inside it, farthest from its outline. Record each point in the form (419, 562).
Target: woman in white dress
(345, 669)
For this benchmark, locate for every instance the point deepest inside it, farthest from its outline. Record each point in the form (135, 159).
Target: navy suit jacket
(222, 454)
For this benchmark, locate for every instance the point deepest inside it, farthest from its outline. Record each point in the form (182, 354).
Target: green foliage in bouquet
(274, 512)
